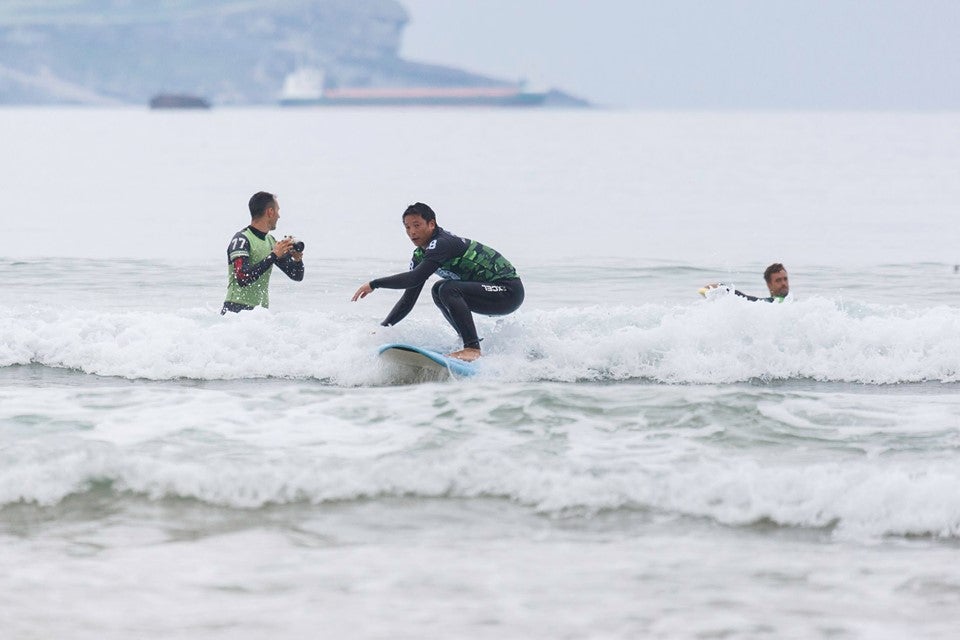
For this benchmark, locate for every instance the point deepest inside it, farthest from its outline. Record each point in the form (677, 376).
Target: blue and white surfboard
(426, 360)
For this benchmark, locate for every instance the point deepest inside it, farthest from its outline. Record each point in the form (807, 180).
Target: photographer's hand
(283, 247)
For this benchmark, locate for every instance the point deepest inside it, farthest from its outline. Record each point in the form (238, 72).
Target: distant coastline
(110, 52)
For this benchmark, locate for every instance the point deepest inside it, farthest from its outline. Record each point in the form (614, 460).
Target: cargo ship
(306, 87)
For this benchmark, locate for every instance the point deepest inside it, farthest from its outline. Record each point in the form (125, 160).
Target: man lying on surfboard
(777, 283)
(475, 278)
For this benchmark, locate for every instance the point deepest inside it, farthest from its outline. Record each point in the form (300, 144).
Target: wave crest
(722, 341)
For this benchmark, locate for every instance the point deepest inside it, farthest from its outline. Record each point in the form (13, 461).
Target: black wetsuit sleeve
(412, 281)
(248, 273)
(413, 278)
(403, 307)
(293, 268)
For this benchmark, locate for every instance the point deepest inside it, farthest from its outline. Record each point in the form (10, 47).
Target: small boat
(177, 101)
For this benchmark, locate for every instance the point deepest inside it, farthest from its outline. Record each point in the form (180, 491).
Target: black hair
(422, 210)
(259, 203)
(776, 267)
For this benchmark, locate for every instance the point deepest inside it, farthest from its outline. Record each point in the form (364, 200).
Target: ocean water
(631, 460)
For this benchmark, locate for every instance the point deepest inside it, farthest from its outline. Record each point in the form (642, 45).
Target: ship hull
(432, 97)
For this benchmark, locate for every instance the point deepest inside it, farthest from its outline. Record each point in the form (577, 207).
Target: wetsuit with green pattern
(758, 299)
(475, 278)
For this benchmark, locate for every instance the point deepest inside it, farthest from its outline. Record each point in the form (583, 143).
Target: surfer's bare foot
(467, 354)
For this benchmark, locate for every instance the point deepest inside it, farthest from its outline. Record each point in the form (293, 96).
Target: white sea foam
(725, 341)
(804, 459)
(857, 497)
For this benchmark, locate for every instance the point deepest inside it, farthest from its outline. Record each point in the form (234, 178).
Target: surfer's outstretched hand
(362, 292)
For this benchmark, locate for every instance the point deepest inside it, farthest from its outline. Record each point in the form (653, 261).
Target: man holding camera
(252, 252)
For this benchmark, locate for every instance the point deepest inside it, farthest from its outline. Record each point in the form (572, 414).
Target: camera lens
(298, 246)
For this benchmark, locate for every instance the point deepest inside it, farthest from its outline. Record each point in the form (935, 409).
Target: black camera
(297, 246)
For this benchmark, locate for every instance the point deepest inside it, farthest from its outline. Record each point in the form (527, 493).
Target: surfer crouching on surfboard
(777, 283)
(475, 278)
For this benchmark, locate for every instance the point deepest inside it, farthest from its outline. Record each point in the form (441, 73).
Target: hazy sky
(705, 53)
